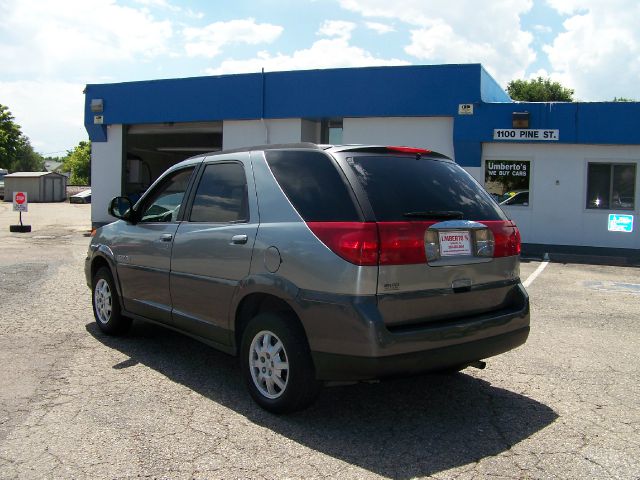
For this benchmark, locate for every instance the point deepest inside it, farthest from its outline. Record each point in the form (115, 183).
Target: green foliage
(26, 159)
(10, 136)
(78, 162)
(539, 90)
(16, 152)
(622, 99)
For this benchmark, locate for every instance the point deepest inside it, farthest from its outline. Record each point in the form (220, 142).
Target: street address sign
(526, 135)
(20, 202)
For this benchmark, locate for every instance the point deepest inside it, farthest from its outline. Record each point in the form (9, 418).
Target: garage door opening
(152, 148)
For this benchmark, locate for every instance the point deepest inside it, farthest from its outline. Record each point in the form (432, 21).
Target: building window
(508, 181)
(611, 186)
(331, 132)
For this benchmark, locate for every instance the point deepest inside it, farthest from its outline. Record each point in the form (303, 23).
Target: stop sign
(20, 202)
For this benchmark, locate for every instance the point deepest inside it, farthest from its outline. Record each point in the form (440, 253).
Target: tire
(273, 340)
(106, 304)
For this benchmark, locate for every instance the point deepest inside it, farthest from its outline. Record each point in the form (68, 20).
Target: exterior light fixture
(97, 105)
(520, 119)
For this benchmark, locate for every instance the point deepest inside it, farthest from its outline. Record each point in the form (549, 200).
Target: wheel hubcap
(269, 364)
(102, 300)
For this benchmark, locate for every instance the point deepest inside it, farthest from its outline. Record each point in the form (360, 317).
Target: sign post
(20, 204)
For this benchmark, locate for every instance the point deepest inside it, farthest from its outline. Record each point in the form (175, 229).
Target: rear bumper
(349, 340)
(347, 367)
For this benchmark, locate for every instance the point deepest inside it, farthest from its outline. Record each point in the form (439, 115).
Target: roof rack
(400, 150)
(275, 146)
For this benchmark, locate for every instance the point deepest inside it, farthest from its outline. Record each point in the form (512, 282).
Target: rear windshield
(313, 185)
(406, 188)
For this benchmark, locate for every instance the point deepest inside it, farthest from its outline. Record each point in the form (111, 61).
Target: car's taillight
(406, 243)
(383, 243)
(402, 243)
(356, 242)
(432, 245)
(419, 151)
(506, 237)
(485, 243)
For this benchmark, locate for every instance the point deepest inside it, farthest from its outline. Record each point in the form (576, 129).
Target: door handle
(166, 237)
(239, 239)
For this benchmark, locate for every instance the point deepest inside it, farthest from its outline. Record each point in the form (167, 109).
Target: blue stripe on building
(408, 91)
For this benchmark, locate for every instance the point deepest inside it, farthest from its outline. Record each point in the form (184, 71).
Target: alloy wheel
(269, 364)
(103, 301)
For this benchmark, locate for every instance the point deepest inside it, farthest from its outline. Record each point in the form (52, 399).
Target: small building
(53, 166)
(39, 186)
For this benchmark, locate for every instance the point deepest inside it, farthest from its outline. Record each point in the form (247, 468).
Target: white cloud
(442, 31)
(325, 53)
(49, 50)
(380, 28)
(49, 112)
(542, 28)
(158, 4)
(337, 28)
(567, 7)
(193, 14)
(76, 36)
(209, 41)
(165, 5)
(598, 54)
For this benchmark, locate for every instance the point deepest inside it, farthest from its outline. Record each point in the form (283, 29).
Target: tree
(622, 99)
(539, 90)
(26, 159)
(16, 152)
(9, 138)
(78, 162)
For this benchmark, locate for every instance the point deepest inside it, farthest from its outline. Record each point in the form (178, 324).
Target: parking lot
(77, 404)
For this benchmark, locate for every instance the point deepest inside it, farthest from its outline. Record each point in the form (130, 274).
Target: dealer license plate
(456, 243)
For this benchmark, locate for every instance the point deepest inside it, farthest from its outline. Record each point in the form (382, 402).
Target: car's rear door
(408, 195)
(213, 247)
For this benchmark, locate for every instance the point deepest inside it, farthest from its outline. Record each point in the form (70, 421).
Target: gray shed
(40, 186)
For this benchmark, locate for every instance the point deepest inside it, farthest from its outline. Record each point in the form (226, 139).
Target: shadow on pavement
(401, 429)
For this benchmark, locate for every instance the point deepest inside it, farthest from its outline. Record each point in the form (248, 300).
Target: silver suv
(316, 263)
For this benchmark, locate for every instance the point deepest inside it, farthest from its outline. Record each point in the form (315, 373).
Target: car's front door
(212, 249)
(143, 250)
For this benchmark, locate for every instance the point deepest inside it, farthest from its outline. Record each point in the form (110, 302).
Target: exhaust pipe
(479, 364)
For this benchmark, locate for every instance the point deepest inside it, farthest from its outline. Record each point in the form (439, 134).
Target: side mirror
(122, 208)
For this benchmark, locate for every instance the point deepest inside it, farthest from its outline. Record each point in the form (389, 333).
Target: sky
(50, 49)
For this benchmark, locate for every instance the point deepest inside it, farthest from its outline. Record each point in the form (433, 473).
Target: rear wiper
(436, 214)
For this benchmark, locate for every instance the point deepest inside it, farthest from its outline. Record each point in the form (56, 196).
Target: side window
(313, 185)
(611, 186)
(164, 203)
(222, 195)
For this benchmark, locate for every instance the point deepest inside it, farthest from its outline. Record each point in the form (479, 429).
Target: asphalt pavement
(75, 403)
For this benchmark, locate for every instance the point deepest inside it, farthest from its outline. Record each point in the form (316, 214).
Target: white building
(567, 173)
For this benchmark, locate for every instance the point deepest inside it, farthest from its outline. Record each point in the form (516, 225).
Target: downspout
(264, 124)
